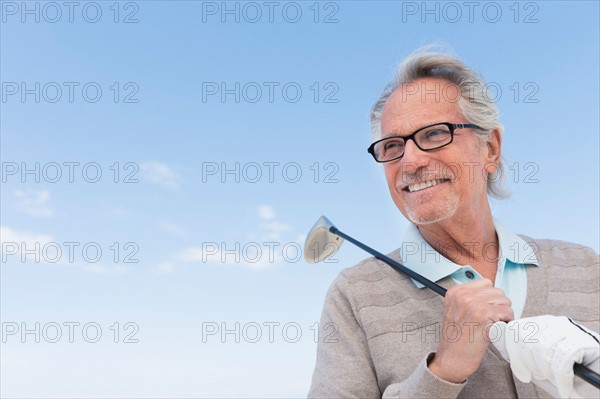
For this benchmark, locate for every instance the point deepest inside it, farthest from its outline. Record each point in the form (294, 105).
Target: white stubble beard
(445, 210)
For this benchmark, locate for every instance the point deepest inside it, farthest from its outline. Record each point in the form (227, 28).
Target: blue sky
(165, 221)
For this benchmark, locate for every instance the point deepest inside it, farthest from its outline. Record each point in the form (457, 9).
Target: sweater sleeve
(422, 383)
(345, 368)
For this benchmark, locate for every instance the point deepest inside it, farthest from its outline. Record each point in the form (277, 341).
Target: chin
(428, 214)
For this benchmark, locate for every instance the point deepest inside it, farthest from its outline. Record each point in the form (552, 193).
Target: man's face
(456, 174)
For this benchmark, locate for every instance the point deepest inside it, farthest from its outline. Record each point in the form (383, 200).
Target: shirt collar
(513, 247)
(420, 257)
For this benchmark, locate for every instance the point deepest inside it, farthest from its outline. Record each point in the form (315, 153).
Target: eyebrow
(389, 134)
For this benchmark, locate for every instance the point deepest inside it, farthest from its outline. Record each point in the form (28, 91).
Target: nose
(413, 154)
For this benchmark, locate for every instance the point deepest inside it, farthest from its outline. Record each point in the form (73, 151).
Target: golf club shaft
(580, 370)
(396, 265)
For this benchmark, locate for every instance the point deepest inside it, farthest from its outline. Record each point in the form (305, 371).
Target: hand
(469, 311)
(543, 350)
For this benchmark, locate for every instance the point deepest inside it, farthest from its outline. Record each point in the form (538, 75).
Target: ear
(493, 146)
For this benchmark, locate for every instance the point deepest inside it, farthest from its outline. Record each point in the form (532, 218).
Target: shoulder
(567, 280)
(557, 252)
(373, 284)
(369, 271)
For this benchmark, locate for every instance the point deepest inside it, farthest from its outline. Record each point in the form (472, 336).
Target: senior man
(440, 140)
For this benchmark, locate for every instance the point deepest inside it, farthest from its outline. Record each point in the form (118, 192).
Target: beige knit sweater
(387, 328)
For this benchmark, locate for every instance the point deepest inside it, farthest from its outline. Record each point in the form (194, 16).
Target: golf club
(324, 240)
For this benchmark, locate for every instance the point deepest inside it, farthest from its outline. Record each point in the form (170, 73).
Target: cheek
(485, 165)
(390, 175)
(475, 154)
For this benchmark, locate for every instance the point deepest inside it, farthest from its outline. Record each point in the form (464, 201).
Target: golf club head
(321, 243)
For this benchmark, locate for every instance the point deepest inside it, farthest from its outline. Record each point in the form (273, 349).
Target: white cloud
(274, 230)
(165, 267)
(34, 203)
(265, 248)
(301, 238)
(101, 269)
(192, 254)
(8, 235)
(161, 174)
(266, 212)
(271, 230)
(249, 255)
(12, 242)
(118, 213)
(173, 229)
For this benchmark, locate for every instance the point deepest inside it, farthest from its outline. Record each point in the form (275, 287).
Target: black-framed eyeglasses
(426, 138)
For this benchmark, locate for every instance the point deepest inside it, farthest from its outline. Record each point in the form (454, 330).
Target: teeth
(421, 186)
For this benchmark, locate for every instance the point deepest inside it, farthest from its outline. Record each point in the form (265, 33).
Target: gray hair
(473, 102)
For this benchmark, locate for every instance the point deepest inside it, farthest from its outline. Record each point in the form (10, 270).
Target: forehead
(420, 103)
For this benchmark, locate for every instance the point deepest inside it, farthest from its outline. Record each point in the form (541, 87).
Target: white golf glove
(543, 350)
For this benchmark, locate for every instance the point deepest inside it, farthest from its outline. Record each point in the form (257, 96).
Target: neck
(466, 240)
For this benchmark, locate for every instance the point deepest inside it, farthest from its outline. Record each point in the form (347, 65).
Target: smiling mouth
(422, 186)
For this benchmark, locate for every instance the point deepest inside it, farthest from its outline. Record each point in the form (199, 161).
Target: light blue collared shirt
(511, 276)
